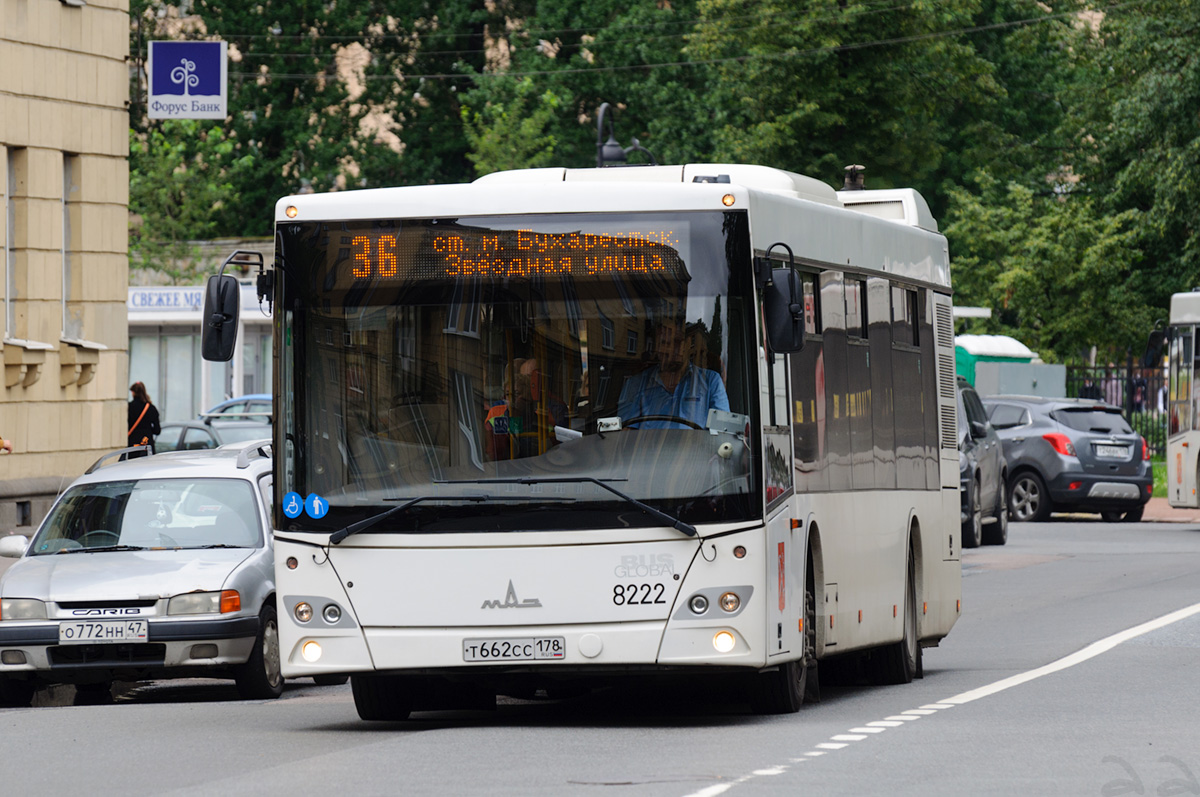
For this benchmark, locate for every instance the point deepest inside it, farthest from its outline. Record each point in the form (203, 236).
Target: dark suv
(983, 472)
(1071, 455)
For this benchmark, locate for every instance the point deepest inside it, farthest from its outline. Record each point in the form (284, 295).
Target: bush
(1153, 427)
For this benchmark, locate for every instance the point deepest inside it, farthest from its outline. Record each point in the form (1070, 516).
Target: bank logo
(510, 601)
(187, 80)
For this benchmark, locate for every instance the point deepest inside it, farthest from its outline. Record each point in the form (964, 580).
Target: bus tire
(381, 698)
(780, 691)
(899, 662)
(330, 680)
(783, 690)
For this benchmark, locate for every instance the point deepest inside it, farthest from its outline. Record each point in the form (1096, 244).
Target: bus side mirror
(222, 305)
(783, 311)
(1154, 349)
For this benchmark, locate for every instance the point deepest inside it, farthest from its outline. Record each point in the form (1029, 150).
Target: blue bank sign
(187, 80)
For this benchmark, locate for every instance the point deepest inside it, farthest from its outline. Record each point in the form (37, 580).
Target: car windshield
(241, 434)
(520, 358)
(1091, 419)
(151, 513)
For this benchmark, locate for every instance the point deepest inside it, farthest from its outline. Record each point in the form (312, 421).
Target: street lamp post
(610, 150)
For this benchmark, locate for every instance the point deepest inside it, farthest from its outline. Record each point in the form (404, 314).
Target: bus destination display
(512, 254)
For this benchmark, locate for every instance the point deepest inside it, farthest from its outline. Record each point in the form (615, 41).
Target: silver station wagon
(152, 567)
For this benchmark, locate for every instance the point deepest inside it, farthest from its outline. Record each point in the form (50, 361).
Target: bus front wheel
(382, 697)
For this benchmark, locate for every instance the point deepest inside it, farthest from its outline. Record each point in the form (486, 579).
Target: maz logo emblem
(510, 601)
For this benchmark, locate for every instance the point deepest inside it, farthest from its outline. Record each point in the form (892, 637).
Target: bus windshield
(516, 361)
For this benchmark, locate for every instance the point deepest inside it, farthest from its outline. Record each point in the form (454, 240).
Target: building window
(72, 246)
(631, 342)
(608, 334)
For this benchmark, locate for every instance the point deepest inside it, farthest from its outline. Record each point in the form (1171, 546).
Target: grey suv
(1071, 455)
(982, 473)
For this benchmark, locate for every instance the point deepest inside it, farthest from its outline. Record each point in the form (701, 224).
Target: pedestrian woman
(143, 417)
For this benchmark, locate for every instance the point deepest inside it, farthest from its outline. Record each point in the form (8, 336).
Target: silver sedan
(153, 567)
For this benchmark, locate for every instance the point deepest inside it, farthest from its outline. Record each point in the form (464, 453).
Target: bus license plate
(524, 649)
(80, 632)
(1112, 452)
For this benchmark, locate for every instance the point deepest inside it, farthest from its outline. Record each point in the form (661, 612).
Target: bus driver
(673, 388)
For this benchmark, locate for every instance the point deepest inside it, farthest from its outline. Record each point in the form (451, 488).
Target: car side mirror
(13, 546)
(978, 429)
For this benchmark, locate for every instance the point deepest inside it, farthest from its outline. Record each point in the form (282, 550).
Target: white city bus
(559, 427)
(1183, 425)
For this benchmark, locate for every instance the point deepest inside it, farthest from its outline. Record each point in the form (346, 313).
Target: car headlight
(22, 609)
(205, 602)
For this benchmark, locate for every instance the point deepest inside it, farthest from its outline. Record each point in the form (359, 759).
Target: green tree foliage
(513, 135)
(180, 175)
(1055, 271)
(1138, 135)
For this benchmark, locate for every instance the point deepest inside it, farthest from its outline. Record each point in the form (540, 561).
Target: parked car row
(1024, 457)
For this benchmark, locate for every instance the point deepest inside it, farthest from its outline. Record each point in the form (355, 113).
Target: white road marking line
(849, 737)
(896, 720)
(1091, 651)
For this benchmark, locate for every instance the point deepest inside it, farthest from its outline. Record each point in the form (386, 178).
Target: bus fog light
(730, 602)
(311, 651)
(724, 642)
(332, 613)
(303, 612)
(698, 604)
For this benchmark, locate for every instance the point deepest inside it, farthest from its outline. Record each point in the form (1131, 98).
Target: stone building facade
(64, 196)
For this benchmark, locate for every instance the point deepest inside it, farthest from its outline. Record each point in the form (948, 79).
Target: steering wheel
(103, 537)
(667, 418)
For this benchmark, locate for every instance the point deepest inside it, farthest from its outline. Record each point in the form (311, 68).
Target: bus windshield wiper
(673, 522)
(355, 528)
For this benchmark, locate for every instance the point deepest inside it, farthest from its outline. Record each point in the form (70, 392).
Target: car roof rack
(259, 448)
(119, 453)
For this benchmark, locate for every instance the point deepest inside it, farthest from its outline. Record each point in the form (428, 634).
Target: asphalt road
(1072, 671)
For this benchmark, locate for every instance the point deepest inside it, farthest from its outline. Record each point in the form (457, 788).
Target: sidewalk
(1159, 511)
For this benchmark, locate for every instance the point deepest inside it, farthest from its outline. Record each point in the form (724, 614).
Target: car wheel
(1112, 516)
(16, 693)
(330, 680)
(1027, 498)
(260, 678)
(972, 531)
(1134, 515)
(997, 532)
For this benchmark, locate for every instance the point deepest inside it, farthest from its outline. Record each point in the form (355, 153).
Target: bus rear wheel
(382, 698)
(900, 662)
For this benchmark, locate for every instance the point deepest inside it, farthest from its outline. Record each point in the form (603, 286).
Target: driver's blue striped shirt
(698, 391)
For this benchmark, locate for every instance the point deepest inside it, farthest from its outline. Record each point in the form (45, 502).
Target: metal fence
(1140, 392)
